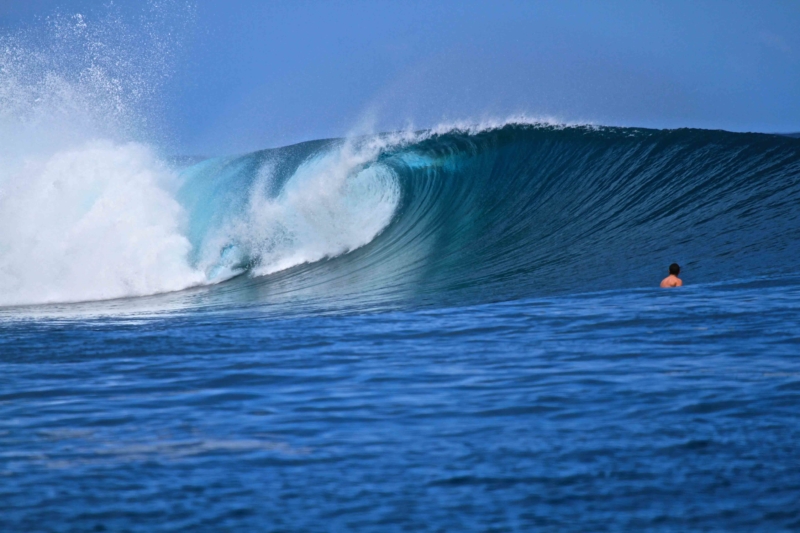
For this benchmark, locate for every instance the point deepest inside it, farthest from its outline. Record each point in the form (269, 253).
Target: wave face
(462, 216)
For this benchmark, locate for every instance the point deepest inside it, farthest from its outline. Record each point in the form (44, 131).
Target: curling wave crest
(506, 211)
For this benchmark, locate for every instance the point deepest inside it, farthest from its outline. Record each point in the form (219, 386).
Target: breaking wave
(90, 210)
(495, 212)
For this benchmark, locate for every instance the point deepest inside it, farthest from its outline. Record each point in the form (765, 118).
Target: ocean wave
(443, 216)
(498, 211)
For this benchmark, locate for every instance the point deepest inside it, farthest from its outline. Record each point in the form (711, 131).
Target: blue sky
(254, 74)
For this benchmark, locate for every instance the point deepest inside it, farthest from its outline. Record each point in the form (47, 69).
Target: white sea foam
(92, 222)
(334, 203)
(473, 127)
(84, 213)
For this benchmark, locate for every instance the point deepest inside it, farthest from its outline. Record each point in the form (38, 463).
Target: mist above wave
(86, 207)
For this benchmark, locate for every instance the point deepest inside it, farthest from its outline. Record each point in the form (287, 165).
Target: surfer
(672, 280)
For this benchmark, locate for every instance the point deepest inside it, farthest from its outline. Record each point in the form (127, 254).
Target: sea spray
(90, 223)
(85, 212)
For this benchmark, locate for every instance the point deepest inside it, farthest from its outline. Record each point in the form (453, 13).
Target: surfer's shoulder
(672, 280)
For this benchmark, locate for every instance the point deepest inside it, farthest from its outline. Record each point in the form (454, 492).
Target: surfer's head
(674, 269)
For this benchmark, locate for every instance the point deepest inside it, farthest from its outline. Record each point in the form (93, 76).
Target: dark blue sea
(449, 330)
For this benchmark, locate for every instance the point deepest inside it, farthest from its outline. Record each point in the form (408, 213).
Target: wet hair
(674, 269)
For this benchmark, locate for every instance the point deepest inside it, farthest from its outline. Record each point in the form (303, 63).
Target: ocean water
(451, 329)
(495, 356)
(636, 409)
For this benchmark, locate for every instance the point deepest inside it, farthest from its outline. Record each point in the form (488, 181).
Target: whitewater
(452, 328)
